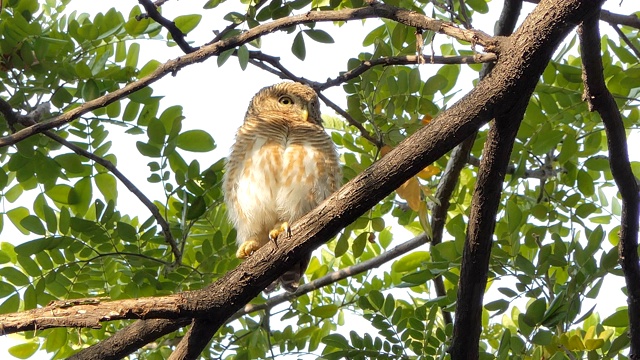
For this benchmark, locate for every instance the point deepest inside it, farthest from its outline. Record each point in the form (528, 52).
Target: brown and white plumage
(282, 165)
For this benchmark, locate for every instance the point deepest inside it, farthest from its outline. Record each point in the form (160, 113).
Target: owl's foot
(247, 248)
(280, 228)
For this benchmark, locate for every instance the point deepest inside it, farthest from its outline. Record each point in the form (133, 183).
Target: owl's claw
(281, 228)
(247, 248)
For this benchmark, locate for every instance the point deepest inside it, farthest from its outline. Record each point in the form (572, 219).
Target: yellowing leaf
(426, 119)
(575, 343)
(428, 172)
(593, 344)
(410, 191)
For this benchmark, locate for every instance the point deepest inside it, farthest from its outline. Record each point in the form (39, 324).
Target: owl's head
(288, 101)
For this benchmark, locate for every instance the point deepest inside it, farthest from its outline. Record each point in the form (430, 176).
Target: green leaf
(16, 216)
(90, 90)
(63, 194)
(542, 337)
(298, 49)
(359, 244)
(243, 56)
(325, 311)
(24, 351)
(410, 262)
(224, 56)
(196, 141)
(14, 276)
(148, 149)
(127, 232)
(132, 55)
(212, 3)
(336, 340)
(186, 23)
(149, 68)
(12, 304)
(498, 305)
(33, 224)
(197, 208)
(342, 245)
(320, 36)
(107, 185)
(585, 183)
(619, 318)
(6, 289)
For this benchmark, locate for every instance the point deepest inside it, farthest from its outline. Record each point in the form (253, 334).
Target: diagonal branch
(376, 10)
(600, 99)
(521, 63)
(29, 120)
(613, 18)
(141, 333)
(461, 153)
(177, 34)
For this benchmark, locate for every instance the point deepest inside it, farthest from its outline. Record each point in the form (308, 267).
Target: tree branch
(486, 198)
(543, 173)
(376, 10)
(142, 332)
(458, 159)
(600, 99)
(612, 18)
(521, 63)
(177, 34)
(406, 60)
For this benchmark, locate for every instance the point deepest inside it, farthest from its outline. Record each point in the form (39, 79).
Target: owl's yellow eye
(285, 100)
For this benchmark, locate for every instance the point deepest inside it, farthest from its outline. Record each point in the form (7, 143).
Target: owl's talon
(281, 228)
(247, 248)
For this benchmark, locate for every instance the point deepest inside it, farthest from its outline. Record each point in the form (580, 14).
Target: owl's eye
(285, 100)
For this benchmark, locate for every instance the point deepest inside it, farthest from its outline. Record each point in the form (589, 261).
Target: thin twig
(631, 20)
(177, 34)
(406, 60)
(353, 122)
(375, 10)
(626, 40)
(220, 35)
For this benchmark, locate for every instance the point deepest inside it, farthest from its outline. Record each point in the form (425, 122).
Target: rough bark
(522, 58)
(600, 99)
(458, 159)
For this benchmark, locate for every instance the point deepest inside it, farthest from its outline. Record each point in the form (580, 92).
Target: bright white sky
(220, 109)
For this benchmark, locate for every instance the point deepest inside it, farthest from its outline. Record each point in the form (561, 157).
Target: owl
(281, 166)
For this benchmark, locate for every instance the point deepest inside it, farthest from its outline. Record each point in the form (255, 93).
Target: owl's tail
(290, 280)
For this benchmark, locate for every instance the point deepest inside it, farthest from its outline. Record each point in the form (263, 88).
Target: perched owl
(282, 165)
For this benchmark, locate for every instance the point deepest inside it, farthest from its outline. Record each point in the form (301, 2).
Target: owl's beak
(305, 114)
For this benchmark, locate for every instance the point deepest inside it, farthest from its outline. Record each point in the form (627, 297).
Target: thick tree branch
(458, 159)
(486, 198)
(525, 56)
(376, 10)
(477, 250)
(600, 99)
(142, 332)
(32, 119)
